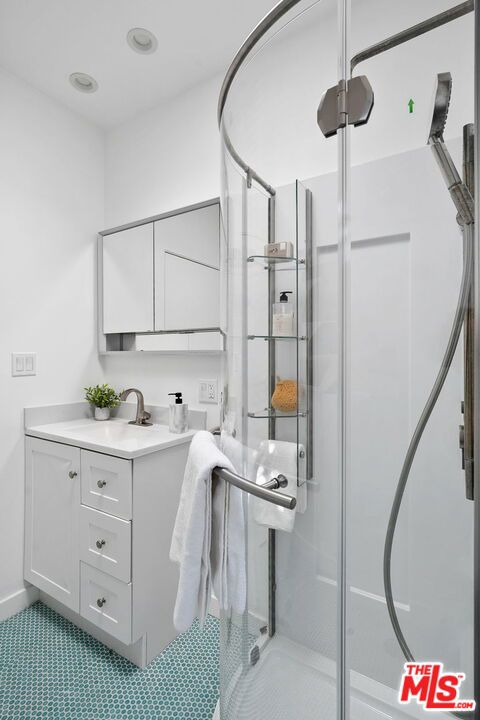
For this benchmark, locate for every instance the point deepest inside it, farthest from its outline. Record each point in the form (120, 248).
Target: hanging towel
(275, 457)
(229, 575)
(200, 520)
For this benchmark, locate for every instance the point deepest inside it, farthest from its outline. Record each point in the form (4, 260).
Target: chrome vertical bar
(244, 642)
(271, 420)
(476, 551)
(244, 310)
(272, 618)
(343, 370)
(271, 300)
(309, 328)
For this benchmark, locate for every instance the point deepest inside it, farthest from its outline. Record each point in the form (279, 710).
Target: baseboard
(18, 601)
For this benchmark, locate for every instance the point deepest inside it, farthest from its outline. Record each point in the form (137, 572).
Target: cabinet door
(194, 236)
(52, 506)
(192, 294)
(128, 280)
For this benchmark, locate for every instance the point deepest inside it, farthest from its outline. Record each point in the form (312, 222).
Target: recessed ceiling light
(83, 82)
(142, 41)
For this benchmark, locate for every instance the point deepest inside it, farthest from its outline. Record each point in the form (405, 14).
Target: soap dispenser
(178, 414)
(282, 320)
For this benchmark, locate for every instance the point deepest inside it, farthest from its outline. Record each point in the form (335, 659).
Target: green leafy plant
(102, 396)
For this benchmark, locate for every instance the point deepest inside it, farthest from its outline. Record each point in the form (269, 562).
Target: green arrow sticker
(410, 106)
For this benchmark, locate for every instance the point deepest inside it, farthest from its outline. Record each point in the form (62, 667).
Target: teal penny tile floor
(52, 670)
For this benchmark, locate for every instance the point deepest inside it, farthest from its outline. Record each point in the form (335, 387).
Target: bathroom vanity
(101, 500)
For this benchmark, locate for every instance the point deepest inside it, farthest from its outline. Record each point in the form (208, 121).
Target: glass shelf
(271, 413)
(276, 337)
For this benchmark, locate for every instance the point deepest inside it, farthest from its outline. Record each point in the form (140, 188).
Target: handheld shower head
(443, 94)
(458, 190)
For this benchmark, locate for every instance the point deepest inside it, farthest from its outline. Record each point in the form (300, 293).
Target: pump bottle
(283, 316)
(177, 414)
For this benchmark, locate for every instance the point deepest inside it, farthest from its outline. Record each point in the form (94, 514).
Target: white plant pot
(102, 413)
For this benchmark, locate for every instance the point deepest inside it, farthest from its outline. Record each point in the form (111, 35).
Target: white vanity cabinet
(52, 520)
(97, 541)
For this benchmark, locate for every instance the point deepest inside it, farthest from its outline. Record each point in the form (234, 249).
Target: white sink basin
(114, 437)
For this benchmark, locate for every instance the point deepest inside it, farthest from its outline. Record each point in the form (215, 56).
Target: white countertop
(112, 437)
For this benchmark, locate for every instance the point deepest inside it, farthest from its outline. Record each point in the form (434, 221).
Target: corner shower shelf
(288, 357)
(269, 413)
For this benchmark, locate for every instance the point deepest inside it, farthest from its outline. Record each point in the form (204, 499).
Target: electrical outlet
(208, 391)
(24, 364)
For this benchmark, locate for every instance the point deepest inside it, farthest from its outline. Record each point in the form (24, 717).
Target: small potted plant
(104, 398)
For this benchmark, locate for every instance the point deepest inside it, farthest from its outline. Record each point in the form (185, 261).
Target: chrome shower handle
(264, 492)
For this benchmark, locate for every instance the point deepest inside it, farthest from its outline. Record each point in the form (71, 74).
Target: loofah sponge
(285, 397)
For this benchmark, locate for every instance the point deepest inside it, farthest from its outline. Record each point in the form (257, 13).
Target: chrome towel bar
(267, 491)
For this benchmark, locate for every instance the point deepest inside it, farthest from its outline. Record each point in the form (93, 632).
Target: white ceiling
(43, 41)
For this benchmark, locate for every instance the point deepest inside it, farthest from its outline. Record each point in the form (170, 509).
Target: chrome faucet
(142, 414)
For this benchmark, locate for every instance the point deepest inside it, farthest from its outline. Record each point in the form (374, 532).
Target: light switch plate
(208, 391)
(24, 364)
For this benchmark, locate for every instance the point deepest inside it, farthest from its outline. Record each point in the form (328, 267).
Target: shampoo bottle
(177, 414)
(282, 321)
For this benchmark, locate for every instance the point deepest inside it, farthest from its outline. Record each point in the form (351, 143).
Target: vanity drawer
(107, 483)
(106, 543)
(106, 602)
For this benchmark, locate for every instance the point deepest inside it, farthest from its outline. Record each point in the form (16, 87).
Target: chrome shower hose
(456, 330)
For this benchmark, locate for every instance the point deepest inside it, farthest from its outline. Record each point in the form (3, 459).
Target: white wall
(51, 185)
(164, 159)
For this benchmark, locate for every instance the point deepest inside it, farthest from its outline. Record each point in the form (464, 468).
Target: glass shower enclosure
(348, 186)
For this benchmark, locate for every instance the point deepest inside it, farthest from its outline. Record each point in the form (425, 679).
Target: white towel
(201, 536)
(275, 457)
(229, 574)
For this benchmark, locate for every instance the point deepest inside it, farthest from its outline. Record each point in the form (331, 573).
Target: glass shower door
(316, 638)
(405, 260)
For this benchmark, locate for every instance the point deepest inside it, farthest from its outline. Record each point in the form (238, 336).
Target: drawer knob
(100, 544)
(72, 474)
(101, 602)
(101, 483)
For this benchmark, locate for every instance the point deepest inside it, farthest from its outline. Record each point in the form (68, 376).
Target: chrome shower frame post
(309, 341)
(272, 552)
(343, 294)
(476, 370)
